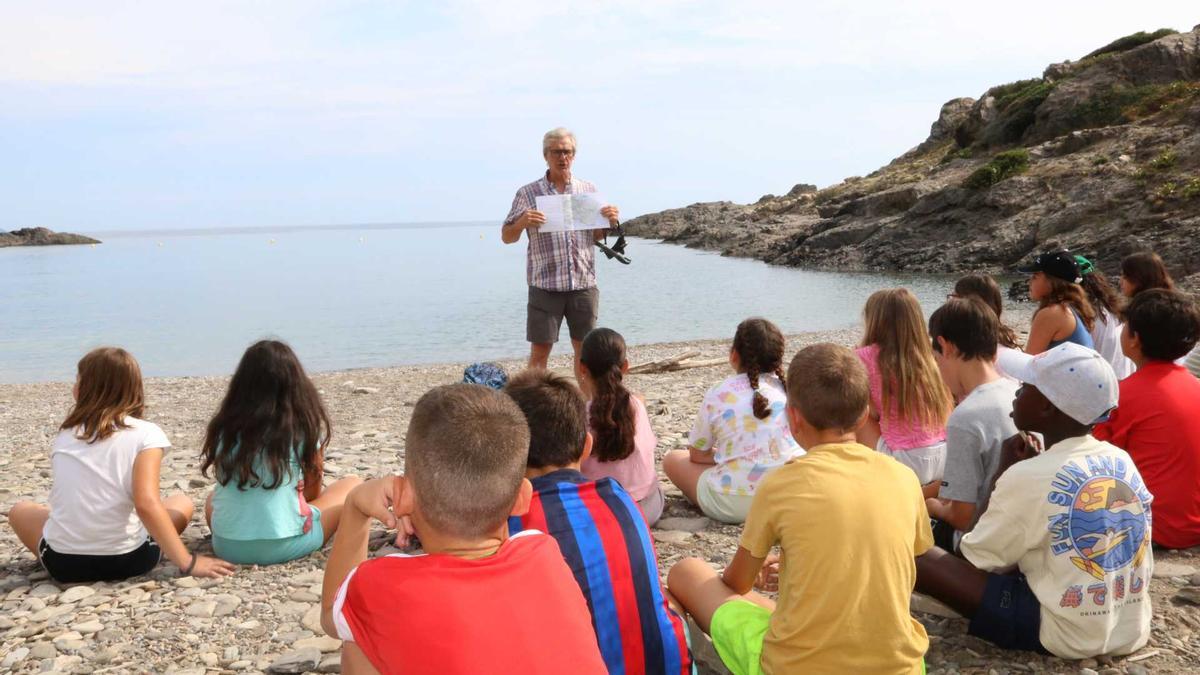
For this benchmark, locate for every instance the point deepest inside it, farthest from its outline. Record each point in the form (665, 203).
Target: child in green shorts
(849, 522)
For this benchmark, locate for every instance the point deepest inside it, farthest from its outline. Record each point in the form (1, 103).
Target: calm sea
(189, 304)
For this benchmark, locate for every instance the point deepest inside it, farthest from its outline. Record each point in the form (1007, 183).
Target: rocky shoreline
(40, 236)
(1101, 155)
(265, 619)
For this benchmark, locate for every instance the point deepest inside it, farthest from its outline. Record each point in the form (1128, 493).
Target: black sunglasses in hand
(617, 250)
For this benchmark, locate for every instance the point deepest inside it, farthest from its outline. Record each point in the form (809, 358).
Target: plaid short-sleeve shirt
(556, 261)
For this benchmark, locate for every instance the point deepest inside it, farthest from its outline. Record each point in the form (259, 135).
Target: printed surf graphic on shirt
(1103, 528)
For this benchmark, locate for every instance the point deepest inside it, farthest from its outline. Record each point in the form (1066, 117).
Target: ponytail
(611, 417)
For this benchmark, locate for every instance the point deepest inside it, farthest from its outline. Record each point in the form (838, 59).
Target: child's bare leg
(952, 580)
(27, 520)
(180, 507)
(330, 502)
(683, 472)
(354, 662)
(208, 508)
(698, 587)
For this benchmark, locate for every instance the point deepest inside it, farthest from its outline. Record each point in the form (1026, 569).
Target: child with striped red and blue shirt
(600, 531)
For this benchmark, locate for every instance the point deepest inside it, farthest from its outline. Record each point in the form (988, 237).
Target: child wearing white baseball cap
(1073, 519)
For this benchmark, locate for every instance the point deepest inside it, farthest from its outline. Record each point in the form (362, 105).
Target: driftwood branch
(680, 362)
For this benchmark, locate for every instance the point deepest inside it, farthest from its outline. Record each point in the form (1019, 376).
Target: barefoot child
(624, 442)
(848, 521)
(266, 446)
(107, 519)
(599, 530)
(477, 600)
(1060, 560)
(741, 433)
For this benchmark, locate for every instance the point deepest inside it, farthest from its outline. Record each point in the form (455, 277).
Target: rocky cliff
(40, 236)
(1101, 155)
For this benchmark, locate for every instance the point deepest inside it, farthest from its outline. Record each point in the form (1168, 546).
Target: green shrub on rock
(1016, 104)
(1164, 161)
(1191, 190)
(1003, 165)
(1121, 105)
(1130, 41)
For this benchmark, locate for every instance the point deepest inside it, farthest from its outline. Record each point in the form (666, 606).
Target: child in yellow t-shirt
(849, 522)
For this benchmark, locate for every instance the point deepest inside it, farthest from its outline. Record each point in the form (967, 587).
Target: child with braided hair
(741, 432)
(622, 440)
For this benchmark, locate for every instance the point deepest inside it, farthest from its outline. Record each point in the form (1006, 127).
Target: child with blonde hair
(741, 433)
(107, 520)
(909, 400)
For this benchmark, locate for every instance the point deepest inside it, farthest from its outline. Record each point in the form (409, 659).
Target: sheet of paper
(565, 213)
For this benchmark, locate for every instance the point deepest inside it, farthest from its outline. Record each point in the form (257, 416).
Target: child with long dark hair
(622, 440)
(1144, 271)
(1106, 330)
(741, 432)
(266, 448)
(107, 520)
(1064, 313)
(985, 288)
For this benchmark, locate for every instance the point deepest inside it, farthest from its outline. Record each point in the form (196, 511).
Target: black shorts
(547, 309)
(74, 568)
(1009, 615)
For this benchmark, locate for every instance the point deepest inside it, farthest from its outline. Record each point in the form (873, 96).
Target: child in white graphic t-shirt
(1074, 519)
(741, 432)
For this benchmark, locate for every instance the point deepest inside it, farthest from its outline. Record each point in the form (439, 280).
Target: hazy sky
(124, 115)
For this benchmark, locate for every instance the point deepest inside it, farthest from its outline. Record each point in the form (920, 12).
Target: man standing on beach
(560, 267)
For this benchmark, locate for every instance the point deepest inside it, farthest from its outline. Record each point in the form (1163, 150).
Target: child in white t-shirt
(107, 520)
(741, 432)
(1060, 560)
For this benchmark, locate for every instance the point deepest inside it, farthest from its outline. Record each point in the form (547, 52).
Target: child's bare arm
(147, 500)
(699, 456)
(370, 500)
(354, 661)
(959, 514)
(743, 571)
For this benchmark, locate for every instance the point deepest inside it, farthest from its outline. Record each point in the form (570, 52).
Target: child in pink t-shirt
(623, 441)
(909, 400)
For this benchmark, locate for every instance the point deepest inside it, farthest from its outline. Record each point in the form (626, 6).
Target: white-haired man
(560, 267)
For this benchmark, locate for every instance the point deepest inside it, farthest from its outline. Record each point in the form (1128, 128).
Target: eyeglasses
(561, 153)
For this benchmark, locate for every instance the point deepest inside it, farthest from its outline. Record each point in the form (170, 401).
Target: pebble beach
(266, 619)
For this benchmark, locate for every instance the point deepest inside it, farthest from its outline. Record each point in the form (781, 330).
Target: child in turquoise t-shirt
(266, 447)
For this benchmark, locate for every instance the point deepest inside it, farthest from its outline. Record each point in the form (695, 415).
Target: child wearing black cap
(1064, 313)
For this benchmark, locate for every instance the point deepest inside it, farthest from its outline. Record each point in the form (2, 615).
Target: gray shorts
(547, 309)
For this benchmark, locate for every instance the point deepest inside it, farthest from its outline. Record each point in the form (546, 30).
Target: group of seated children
(106, 519)
(533, 504)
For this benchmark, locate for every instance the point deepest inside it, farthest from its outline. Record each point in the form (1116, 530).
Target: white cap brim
(1016, 364)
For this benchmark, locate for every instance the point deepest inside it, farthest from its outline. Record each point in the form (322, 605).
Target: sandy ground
(265, 618)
